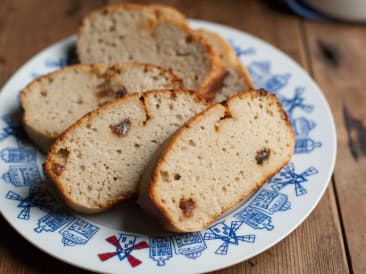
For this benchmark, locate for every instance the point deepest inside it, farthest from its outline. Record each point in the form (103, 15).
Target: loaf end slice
(98, 161)
(217, 159)
(237, 79)
(55, 101)
(123, 32)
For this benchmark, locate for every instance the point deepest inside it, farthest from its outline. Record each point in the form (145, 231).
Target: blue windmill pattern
(11, 128)
(8, 130)
(287, 176)
(24, 203)
(263, 77)
(240, 51)
(296, 102)
(228, 236)
(41, 199)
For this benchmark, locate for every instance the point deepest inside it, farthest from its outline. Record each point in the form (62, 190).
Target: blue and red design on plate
(124, 246)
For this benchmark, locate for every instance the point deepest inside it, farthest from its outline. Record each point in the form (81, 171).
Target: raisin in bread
(131, 32)
(217, 159)
(238, 78)
(98, 161)
(53, 102)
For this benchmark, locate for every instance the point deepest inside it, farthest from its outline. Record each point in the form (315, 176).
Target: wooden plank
(29, 26)
(26, 34)
(339, 65)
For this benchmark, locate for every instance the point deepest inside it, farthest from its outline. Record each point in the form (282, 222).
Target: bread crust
(230, 57)
(215, 78)
(51, 159)
(44, 139)
(217, 73)
(172, 13)
(148, 200)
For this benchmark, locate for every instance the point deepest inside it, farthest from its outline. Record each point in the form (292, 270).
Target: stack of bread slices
(159, 112)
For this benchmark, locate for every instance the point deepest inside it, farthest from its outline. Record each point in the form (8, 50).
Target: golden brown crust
(50, 160)
(217, 73)
(246, 75)
(163, 11)
(230, 57)
(215, 78)
(149, 201)
(211, 88)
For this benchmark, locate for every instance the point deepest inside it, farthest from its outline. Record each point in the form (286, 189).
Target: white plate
(122, 240)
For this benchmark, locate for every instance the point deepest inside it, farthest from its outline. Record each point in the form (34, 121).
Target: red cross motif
(123, 252)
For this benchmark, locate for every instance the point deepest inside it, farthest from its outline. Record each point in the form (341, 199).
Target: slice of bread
(131, 32)
(53, 102)
(238, 78)
(217, 159)
(98, 161)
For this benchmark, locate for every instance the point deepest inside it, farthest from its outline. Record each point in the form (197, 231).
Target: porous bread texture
(53, 102)
(136, 32)
(237, 79)
(216, 160)
(98, 161)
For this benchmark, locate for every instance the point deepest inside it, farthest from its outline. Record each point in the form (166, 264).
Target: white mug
(350, 10)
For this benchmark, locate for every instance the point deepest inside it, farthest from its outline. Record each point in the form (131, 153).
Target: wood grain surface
(332, 239)
(339, 67)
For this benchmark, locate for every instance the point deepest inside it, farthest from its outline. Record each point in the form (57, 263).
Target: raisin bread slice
(53, 102)
(217, 159)
(131, 32)
(98, 161)
(238, 78)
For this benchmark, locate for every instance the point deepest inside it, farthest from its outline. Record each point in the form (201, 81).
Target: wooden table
(333, 238)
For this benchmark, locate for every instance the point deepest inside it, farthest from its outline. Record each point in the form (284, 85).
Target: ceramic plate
(123, 239)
